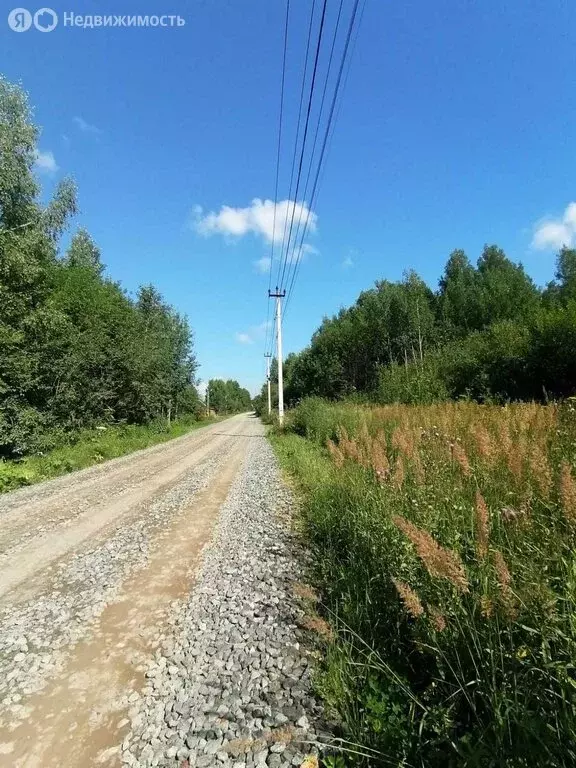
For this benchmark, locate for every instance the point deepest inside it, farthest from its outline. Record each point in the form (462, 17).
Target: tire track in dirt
(79, 719)
(57, 502)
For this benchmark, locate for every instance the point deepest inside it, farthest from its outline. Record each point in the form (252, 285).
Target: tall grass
(444, 543)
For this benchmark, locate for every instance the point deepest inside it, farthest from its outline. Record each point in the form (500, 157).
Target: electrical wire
(308, 111)
(298, 122)
(298, 252)
(292, 243)
(325, 141)
(278, 149)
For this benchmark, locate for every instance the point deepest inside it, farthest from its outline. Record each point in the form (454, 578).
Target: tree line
(487, 333)
(75, 349)
(228, 396)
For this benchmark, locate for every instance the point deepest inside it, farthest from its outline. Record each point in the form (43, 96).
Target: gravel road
(148, 616)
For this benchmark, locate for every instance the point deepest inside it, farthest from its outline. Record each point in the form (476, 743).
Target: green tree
(28, 248)
(83, 252)
(505, 290)
(476, 337)
(458, 297)
(76, 349)
(228, 396)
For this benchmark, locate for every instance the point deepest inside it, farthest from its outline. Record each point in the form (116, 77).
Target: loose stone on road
(156, 626)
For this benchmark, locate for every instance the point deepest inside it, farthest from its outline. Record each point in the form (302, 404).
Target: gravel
(230, 684)
(37, 635)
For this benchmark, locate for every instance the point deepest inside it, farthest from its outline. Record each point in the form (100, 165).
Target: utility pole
(279, 295)
(268, 356)
(208, 399)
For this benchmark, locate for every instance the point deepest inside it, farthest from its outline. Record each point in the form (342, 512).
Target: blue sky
(458, 128)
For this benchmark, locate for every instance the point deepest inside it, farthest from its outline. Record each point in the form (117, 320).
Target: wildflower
(483, 443)
(438, 619)
(504, 581)
(305, 592)
(310, 761)
(568, 492)
(409, 598)
(439, 561)
(419, 470)
(378, 458)
(398, 476)
(504, 577)
(319, 626)
(540, 470)
(486, 606)
(514, 460)
(482, 526)
(382, 476)
(351, 449)
(381, 438)
(459, 454)
(522, 652)
(504, 438)
(336, 453)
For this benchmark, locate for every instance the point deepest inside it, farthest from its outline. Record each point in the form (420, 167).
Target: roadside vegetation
(92, 446)
(228, 396)
(432, 435)
(77, 352)
(487, 333)
(87, 372)
(443, 540)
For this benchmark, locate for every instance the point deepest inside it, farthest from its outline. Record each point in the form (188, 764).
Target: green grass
(431, 666)
(91, 447)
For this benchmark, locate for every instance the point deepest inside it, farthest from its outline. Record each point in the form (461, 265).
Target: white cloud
(261, 329)
(554, 233)
(86, 127)
(348, 262)
(263, 218)
(45, 162)
(299, 253)
(263, 265)
(254, 333)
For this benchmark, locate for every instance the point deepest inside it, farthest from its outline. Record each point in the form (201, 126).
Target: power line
(310, 24)
(298, 251)
(326, 135)
(283, 79)
(277, 172)
(293, 238)
(348, 67)
(314, 72)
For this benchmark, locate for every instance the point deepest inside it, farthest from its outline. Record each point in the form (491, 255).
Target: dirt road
(91, 565)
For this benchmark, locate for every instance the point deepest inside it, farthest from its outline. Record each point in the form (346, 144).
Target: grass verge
(91, 447)
(443, 542)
